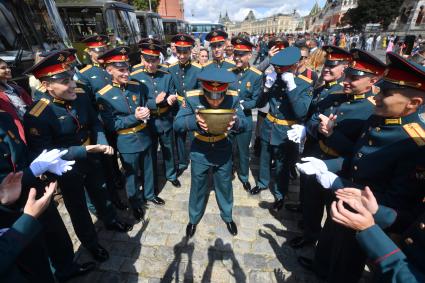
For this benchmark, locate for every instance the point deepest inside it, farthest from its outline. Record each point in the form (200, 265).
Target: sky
(209, 10)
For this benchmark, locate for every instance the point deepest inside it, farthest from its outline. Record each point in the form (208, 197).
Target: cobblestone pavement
(157, 251)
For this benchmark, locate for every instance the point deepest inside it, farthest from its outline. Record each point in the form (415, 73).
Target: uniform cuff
(385, 216)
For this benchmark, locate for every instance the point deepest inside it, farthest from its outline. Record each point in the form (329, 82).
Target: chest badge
(93, 77)
(134, 98)
(115, 97)
(34, 132)
(248, 85)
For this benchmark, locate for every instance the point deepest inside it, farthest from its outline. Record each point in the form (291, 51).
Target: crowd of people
(351, 126)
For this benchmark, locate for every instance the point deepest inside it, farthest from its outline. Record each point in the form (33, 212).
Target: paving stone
(155, 239)
(259, 276)
(254, 261)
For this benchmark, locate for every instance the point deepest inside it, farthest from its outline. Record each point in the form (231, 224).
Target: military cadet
(184, 75)
(141, 65)
(94, 75)
(158, 85)
(122, 106)
(64, 118)
(349, 109)
(210, 151)
(54, 234)
(249, 86)
(217, 39)
(384, 158)
(289, 98)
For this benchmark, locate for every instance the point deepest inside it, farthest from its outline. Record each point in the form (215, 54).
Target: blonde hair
(316, 60)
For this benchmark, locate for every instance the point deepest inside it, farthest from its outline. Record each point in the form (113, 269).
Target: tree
(372, 11)
(144, 5)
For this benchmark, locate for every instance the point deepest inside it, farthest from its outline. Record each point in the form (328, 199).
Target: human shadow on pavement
(222, 252)
(172, 274)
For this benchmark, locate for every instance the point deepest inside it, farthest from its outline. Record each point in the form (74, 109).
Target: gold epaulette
(138, 65)
(230, 61)
(415, 131)
(371, 100)
(304, 78)
(337, 92)
(105, 89)
(174, 64)
(255, 70)
(39, 107)
(197, 65)
(194, 92)
(164, 65)
(232, 69)
(133, 83)
(164, 71)
(79, 90)
(232, 92)
(137, 71)
(375, 89)
(208, 63)
(88, 67)
(41, 88)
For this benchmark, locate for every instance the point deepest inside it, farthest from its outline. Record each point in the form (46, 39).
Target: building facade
(279, 23)
(411, 19)
(171, 9)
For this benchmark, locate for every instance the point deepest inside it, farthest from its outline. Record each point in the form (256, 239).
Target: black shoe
(139, 213)
(180, 171)
(277, 205)
(255, 190)
(176, 183)
(75, 271)
(300, 242)
(246, 186)
(119, 204)
(99, 253)
(231, 226)
(190, 230)
(157, 201)
(294, 207)
(305, 262)
(119, 226)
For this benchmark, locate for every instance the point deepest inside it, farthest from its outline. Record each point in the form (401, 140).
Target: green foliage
(373, 11)
(144, 5)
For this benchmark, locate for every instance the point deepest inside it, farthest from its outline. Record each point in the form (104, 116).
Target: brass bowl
(217, 119)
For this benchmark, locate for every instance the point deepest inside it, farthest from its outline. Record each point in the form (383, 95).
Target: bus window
(82, 22)
(118, 23)
(142, 25)
(134, 26)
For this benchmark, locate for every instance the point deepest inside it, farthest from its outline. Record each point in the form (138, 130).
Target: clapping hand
(51, 161)
(171, 99)
(160, 98)
(327, 124)
(35, 207)
(365, 196)
(359, 220)
(142, 113)
(100, 148)
(10, 188)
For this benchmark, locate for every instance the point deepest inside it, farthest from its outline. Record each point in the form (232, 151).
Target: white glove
(326, 179)
(270, 79)
(297, 133)
(312, 166)
(46, 160)
(288, 78)
(61, 166)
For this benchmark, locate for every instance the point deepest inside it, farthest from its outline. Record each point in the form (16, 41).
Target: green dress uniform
(161, 118)
(352, 110)
(385, 159)
(286, 108)
(184, 77)
(54, 241)
(249, 86)
(117, 105)
(210, 151)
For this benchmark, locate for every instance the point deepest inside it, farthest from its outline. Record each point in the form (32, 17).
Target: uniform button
(240, 82)
(342, 113)
(377, 129)
(355, 167)
(348, 102)
(239, 89)
(156, 91)
(359, 155)
(363, 135)
(422, 226)
(183, 76)
(370, 142)
(409, 241)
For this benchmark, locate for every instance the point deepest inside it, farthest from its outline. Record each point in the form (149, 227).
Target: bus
(173, 27)
(201, 29)
(150, 24)
(118, 20)
(27, 27)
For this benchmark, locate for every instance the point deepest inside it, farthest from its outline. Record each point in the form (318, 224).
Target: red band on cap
(183, 44)
(366, 67)
(242, 47)
(51, 70)
(338, 57)
(151, 52)
(214, 86)
(403, 78)
(116, 58)
(217, 39)
(280, 46)
(95, 44)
